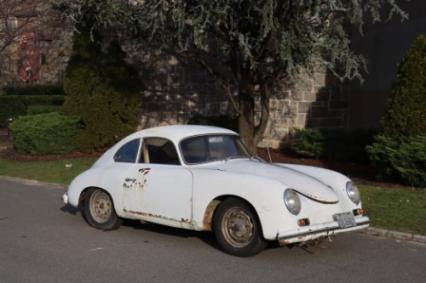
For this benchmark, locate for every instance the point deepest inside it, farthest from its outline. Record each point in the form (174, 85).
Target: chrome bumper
(313, 232)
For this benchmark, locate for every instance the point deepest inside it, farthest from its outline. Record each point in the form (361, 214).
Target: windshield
(209, 148)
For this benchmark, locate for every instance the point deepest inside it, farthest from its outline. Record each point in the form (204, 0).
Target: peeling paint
(140, 213)
(208, 215)
(138, 183)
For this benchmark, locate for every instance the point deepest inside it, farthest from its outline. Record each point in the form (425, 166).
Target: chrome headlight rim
(353, 192)
(292, 201)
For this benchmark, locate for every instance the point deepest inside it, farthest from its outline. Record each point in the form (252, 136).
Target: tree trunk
(251, 133)
(246, 121)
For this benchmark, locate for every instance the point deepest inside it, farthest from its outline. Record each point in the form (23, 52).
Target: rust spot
(183, 220)
(137, 183)
(208, 215)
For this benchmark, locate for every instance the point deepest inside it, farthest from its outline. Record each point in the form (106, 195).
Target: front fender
(265, 195)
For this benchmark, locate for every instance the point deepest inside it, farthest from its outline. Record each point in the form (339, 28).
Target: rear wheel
(237, 228)
(98, 210)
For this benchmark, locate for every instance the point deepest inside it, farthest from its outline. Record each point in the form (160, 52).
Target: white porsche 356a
(203, 178)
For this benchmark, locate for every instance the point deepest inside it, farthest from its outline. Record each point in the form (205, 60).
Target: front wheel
(98, 210)
(237, 228)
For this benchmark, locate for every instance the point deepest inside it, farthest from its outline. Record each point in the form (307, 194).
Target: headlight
(292, 201)
(353, 192)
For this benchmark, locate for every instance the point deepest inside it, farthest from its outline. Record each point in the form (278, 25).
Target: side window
(159, 151)
(128, 152)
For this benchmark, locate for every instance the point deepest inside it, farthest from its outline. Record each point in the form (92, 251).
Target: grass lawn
(53, 171)
(400, 209)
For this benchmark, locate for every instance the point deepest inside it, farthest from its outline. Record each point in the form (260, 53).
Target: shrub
(406, 115)
(13, 106)
(224, 121)
(100, 88)
(41, 108)
(307, 142)
(35, 90)
(50, 133)
(399, 153)
(10, 108)
(402, 160)
(333, 144)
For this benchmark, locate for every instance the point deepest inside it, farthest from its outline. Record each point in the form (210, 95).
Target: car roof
(178, 132)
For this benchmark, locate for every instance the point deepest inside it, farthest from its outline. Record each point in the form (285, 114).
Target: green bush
(332, 144)
(50, 133)
(399, 153)
(41, 108)
(406, 114)
(101, 89)
(224, 121)
(35, 90)
(12, 106)
(402, 160)
(307, 142)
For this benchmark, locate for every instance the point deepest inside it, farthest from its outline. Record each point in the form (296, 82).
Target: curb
(396, 235)
(31, 182)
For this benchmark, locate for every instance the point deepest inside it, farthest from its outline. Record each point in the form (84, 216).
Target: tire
(245, 237)
(98, 210)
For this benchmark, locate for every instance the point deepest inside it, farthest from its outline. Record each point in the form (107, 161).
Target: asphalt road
(43, 241)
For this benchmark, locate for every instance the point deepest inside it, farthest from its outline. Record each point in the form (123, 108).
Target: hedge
(50, 133)
(402, 160)
(35, 90)
(335, 144)
(13, 106)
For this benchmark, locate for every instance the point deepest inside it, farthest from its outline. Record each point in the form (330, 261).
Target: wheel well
(83, 195)
(214, 204)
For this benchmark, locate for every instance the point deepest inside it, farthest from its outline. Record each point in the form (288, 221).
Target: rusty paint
(283, 242)
(208, 215)
(138, 183)
(140, 213)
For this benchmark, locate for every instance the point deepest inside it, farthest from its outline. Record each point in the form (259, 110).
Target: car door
(158, 188)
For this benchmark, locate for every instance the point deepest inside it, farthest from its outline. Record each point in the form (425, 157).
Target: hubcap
(100, 206)
(237, 227)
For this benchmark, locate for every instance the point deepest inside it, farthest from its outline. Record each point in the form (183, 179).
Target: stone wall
(174, 91)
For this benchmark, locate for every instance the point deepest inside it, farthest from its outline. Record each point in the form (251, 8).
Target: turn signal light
(358, 211)
(303, 222)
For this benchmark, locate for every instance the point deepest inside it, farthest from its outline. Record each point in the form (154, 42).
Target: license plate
(345, 220)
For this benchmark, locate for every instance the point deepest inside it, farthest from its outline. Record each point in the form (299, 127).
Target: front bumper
(313, 232)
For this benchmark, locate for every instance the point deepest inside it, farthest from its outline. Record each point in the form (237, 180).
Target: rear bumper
(65, 198)
(320, 230)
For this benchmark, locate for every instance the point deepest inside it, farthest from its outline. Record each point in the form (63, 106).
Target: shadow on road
(206, 237)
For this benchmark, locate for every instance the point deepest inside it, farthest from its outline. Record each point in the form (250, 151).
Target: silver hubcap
(237, 227)
(100, 206)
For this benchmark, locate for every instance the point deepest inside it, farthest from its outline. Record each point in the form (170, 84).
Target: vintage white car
(203, 178)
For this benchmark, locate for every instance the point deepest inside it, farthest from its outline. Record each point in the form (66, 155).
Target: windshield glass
(209, 148)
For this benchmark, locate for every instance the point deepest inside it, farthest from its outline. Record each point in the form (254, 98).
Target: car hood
(303, 183)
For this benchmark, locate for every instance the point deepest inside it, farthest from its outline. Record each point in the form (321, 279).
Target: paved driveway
(42, 241)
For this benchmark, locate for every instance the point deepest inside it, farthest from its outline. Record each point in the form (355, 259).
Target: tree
(101, 89)
(248, 46)
(406, 115)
